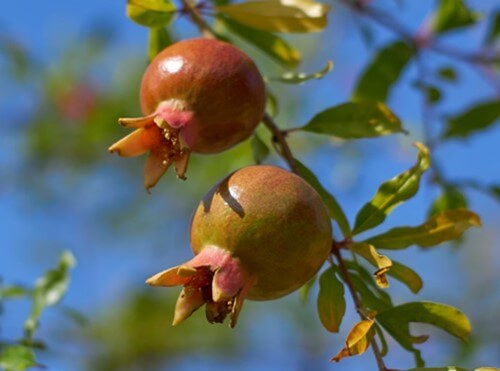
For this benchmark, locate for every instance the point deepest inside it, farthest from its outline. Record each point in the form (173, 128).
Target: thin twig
(358, 304)
(203, 26)
(391, 24)
(278, 135)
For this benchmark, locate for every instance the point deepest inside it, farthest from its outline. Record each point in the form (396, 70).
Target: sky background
(120, 235)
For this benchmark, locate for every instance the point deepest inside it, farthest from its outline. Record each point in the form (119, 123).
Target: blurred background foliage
(65, 79)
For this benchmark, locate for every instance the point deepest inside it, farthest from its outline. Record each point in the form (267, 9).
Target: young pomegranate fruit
(259, 234)
(198, 95)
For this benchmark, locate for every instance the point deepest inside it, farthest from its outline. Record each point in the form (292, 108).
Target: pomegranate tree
(197, 95)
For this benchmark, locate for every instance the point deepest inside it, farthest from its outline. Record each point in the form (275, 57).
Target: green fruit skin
(272, 221)
(215, 80)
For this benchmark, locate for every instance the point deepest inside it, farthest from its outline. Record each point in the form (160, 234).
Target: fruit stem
(195, 16)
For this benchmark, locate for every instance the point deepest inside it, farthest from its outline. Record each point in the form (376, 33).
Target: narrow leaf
(259, 149)
(392, 193)
(382, 262)
(383, 72)
(396, 321)
(407, 276)
(49, 289)
(13, 291)
(274, 46)
(280, 15)
(159, 39)
(306, 289)
(331, 301)
(150, 13)
(370, 297)
(494, 29)
(17, 358)
(357, 340)
(445, 226)
(477, 118)
(301, 77)
(451, 15)
(331, 203)
(354, 120)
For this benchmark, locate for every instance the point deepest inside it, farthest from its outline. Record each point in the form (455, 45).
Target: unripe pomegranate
(260, 234)
(198, 95)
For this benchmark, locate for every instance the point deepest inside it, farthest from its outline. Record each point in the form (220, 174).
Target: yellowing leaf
(392, 193)
(280, 15)
(357, 340)
(331, 301)
(150, 13)
(442, 227)
(382, 262)
(301, 77)
(354, 120)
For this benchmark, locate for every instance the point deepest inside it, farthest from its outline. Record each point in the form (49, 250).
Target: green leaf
(451, 199)
(357, 340)
(49, 290)
(354, 120)
(474, 119)
(453, 14)
(150, 13)
(274, 46)
(272, 105)
(448, 74)
(306, 289)
(331, 301)
(334, 209)
(301, 77)
(17, 358)
(280, 15)
(372, 296)
(159, 39)
(449, 368)
(13, 291)
(259, 149)
(432, 92)
(396, 321)
(392, 193)
(383, 72)
(494, 29)
(407, 276)
(383, 263)
(445, 226)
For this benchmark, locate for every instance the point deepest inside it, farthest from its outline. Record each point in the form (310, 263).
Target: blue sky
(35, 228)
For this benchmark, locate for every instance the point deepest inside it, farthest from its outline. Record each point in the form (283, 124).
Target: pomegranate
(261, 233)
(197, 95)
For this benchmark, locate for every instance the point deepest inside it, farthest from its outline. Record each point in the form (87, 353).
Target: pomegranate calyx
(213, 278)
